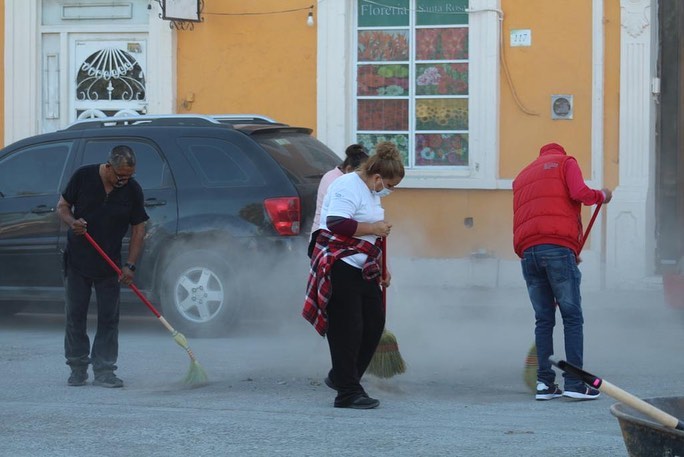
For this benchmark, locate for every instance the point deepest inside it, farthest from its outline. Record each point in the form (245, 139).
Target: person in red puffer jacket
(548, 195)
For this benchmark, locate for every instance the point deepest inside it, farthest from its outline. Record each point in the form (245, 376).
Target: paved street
(462, 395)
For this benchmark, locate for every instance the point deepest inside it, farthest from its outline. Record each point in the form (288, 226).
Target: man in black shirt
(103, 200)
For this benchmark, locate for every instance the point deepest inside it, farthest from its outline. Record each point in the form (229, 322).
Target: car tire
(200, 293)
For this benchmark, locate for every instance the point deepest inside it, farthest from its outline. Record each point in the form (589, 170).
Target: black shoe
(78, 377)
(545, 392)
(328, 382)
(583, 393)
(108, 379)
(361, 401)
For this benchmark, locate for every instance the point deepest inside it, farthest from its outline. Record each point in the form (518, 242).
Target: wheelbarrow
(646, 438)
(650, 428)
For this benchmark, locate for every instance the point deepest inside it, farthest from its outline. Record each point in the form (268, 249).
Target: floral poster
(382, 115)
(383, 45)
(441, 150)
(442, 44)
(383, 80)
(442, 114)
(369, 140)
(442, 79)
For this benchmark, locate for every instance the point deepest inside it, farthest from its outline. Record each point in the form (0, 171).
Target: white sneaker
(588, 393)
(545, 392)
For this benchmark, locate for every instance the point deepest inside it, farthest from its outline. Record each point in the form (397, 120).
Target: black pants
(312, 242)
(356, 320)
(105, 349)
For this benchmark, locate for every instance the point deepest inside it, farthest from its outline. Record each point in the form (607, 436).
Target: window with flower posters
(412, 74)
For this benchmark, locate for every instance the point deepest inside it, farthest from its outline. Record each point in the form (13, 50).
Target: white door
(108, 77)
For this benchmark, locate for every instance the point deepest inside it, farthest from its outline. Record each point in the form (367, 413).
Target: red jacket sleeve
(578, 190)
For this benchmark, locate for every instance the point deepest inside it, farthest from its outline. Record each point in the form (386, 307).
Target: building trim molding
(23, 82)
(630, 237)
(21, 69)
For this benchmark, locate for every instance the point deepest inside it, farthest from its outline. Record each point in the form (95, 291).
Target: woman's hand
(381, 228)
(385, 282)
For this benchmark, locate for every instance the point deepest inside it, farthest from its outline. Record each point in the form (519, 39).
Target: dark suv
(228, 198)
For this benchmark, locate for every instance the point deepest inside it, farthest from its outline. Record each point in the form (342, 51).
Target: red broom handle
(383, 245)
(118, 271)
(591, 224)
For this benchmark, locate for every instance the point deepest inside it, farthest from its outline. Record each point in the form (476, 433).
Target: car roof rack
(243, 119)
(147, 119)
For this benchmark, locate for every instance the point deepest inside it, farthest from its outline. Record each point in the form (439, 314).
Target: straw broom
(387, 360)
(530, 370)
(531, 361)
(196, 375)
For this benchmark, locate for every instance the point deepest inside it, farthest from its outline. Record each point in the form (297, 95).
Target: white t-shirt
(349, 197)
(326, 180)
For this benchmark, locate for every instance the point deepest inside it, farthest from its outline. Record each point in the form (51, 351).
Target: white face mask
(384, 192)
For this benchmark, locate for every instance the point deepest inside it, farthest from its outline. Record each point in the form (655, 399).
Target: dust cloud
(459, 335)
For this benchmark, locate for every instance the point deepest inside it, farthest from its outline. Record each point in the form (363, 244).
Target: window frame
(336, 89)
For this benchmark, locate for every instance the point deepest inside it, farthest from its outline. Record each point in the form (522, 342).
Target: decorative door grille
(110, 74)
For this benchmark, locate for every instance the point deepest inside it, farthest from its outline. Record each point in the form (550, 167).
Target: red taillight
(285, 214)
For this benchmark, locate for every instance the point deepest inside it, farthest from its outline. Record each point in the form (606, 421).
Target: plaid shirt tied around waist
(330, 248)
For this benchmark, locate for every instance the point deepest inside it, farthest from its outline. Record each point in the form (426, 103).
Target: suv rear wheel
(200, 293)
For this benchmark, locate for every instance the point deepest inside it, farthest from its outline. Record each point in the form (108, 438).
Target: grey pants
(105, 348)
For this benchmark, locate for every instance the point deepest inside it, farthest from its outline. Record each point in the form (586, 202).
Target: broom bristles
(387, 360)
(530, 371)
(196, 375)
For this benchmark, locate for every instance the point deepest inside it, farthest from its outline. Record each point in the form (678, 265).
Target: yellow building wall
(250, 63)
(267, 64)
(558, 62)
(432, 222)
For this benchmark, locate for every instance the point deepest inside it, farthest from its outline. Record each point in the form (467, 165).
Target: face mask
(384, 192)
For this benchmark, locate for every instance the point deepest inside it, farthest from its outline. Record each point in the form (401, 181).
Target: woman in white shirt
(344, 299)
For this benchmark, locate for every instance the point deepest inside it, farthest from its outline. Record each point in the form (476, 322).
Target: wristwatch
(130, 266)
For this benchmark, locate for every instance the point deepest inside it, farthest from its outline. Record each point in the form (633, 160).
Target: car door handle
(154, 202)
(42, 209)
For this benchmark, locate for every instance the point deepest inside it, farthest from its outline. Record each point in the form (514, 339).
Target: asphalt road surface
(462, 395)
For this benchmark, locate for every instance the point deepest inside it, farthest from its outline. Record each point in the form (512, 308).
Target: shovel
(620, 395)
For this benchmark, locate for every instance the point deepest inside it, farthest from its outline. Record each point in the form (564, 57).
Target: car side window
(34, 170)
(303, 156)
(151, 170)
(220, 163)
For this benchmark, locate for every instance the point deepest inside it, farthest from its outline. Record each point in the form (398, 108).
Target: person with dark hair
(548, 195)
(343, 296)
(104, 200)
(356, 154)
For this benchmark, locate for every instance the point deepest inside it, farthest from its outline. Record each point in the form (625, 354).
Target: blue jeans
(105, 348)
(553, 278)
